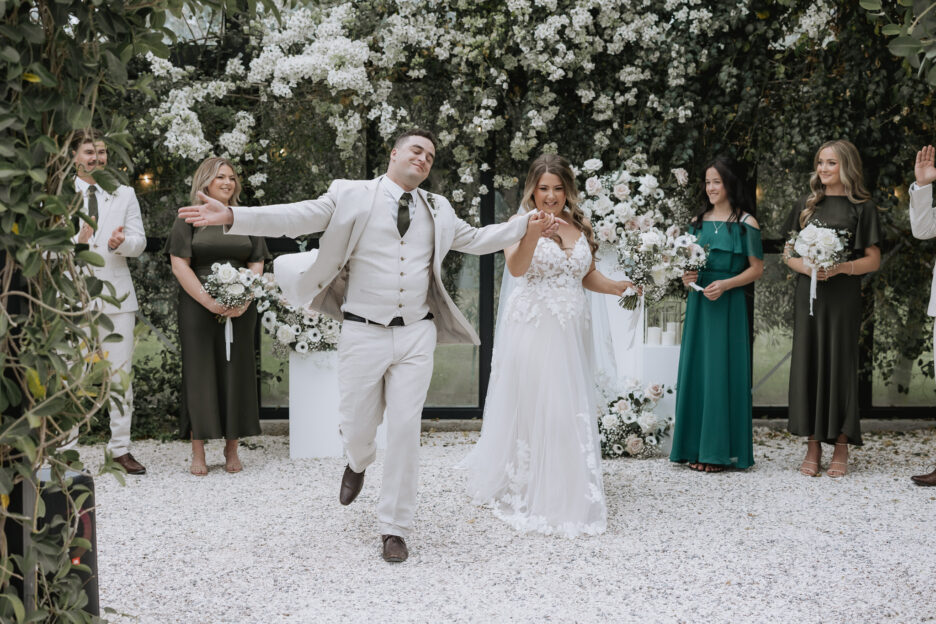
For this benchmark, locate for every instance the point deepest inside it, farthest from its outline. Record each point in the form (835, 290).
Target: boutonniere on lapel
(430, 199)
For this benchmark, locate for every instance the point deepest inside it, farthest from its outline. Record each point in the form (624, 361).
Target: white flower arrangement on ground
(294, 329)
(232, 287)
(628, 425)
(820, 248)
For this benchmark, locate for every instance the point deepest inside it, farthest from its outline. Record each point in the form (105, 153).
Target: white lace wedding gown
(538, 462)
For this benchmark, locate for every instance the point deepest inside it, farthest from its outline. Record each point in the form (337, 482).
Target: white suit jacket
(923, 225)
(115, 209)
(318, 278)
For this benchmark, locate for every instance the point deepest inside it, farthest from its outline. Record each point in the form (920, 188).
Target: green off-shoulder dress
(219, 397)
(824, 365)
(713, 389)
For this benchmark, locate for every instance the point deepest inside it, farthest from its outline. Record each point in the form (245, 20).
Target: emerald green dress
(713, 388)
(823, 395)
(219, 398)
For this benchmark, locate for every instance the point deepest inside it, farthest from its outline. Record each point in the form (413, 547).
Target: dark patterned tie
(403, 218)
(92, 204)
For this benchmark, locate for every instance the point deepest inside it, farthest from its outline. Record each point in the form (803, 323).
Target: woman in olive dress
(713, 392)
(219, 397)
(823, 395)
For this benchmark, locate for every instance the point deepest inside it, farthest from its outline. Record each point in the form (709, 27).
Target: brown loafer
(927, 479)
(394, 549)
(130, 465)
(351, 484)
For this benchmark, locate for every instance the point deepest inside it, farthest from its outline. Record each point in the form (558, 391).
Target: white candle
(668, 339)
(673, 326)
(653, 335)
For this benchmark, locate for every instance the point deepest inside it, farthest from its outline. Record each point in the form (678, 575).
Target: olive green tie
(92, 204)
(403, 218)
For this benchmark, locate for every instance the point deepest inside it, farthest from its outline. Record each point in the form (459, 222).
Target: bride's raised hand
(211, 212)
(539, 223)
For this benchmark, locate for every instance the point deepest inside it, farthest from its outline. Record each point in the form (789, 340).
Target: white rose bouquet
(231, 288)
(643, 256)
(292, 328)
(685, 253)
(628, 424)
(820, 248)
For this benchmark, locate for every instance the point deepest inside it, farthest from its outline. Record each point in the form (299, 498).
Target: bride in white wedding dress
(538, 462)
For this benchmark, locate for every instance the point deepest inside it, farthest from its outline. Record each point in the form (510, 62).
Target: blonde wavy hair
(559, 166)
(849, 172)
(207, 171)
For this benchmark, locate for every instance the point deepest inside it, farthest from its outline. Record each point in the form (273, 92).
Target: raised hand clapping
(924, 169)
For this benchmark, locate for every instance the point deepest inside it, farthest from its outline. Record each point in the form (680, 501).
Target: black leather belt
(396, 321)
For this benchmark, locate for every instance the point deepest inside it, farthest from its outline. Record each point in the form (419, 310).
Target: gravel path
(272, 544)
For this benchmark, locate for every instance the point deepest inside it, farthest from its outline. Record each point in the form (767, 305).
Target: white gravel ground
(272, 544)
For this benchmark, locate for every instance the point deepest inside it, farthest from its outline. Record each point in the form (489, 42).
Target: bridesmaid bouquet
(628, 424)
(642, 256)
(652, 259)
(820, 248)
(232, 288)
(292, 328)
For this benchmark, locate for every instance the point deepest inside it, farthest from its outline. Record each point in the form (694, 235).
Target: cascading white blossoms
(363, 60)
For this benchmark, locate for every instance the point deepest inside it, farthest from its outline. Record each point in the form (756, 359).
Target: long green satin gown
(713, 390)
(823, 395)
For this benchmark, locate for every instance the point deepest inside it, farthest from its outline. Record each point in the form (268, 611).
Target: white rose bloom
(591, 165)
(225, 272)
(648, 422)
(608, 421)
(236, 289)
(621, 191)
(285, 334)
(634, 445)
(809, 235)
(828, 240)
(658, 273)
(593, 185)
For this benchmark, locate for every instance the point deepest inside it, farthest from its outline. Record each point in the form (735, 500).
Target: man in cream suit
(118, 235)
(923, 224)
(379, 268)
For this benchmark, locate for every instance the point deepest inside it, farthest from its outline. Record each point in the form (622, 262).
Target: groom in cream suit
(379, 268)
(923, 225)
(119, 235)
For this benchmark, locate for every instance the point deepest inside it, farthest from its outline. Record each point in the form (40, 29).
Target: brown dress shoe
(394, 549)
(927, 479)
(351, 484)
(131, 465)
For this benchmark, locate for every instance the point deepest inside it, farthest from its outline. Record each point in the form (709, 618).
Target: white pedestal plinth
(313, 407)
(661, 365)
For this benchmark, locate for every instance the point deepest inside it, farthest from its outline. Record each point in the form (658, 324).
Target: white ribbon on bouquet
(813, 279)
(228, 337)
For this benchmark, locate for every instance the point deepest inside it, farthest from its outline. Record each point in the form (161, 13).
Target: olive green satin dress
(219, 397)
(713, 388)
(823, 394)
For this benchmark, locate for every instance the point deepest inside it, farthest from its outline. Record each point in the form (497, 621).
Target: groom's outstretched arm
(305, 217)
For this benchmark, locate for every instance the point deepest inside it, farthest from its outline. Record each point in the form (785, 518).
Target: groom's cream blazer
(923, 225)
(341, 214)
